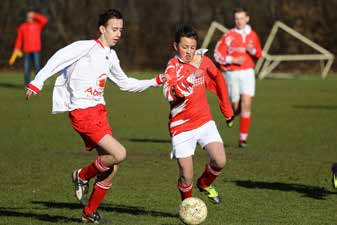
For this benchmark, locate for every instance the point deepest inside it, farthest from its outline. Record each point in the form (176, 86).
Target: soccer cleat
(212, 194)
(243, 144)
(94, 217)
(81, 187)
(334, 175)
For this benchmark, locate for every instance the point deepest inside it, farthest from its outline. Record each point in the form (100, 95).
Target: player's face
(186, 48)
(30, 16)
(241, 20)
(112, 32)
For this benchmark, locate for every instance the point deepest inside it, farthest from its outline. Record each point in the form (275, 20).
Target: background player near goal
(190, 120)
(235, 52)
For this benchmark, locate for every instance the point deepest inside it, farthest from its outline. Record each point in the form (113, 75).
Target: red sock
(208, 177)
(97, 196)
(185, 190)
(97, 167)
(244, 126)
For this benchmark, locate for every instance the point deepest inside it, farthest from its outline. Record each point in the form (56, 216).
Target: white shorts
(184, 144)
(240, 82)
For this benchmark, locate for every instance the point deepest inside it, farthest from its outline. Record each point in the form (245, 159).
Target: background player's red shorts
(91, 123)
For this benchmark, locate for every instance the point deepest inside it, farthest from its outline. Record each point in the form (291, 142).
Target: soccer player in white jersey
(235, 52)
(84, 67)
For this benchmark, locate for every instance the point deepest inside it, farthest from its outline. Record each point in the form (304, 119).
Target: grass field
(282, 178)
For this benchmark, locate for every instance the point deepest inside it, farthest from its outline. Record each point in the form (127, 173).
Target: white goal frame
(267, 63)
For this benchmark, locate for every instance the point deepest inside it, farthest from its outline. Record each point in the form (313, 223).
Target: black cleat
(94, 217)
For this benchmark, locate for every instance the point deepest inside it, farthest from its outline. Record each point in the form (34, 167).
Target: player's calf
(205, 183)
(185, 189)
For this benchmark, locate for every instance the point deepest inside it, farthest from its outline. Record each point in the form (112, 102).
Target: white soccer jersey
(84, 67)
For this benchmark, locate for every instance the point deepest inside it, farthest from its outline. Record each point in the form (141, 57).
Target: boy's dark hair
(109, 14)
(185, 31)
(240, 10)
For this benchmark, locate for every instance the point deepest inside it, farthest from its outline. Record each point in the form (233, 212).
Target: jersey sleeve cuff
(33, 88)
(159, 80)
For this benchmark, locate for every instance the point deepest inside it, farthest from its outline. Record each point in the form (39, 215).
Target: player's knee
(219, 162)
(120, 155)
(108, 160)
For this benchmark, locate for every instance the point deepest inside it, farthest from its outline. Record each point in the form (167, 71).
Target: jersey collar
(246, 30)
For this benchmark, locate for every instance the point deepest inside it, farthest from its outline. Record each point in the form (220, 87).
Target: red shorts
(91, 123)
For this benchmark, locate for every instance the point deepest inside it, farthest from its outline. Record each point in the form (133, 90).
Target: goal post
(267, 63)
(214, 25)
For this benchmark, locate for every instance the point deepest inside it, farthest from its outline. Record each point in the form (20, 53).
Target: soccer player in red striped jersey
(235, 52)
(189, 74)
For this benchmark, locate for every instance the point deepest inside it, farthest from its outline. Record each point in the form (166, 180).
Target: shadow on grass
(318, 107)
(149, 140)
(133, 210)
(42, 217)
(314, 192)
(9, 85)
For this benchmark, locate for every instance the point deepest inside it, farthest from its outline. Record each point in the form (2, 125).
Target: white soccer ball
(193, 211)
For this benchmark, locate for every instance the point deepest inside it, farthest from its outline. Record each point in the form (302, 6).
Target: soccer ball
(193, 211)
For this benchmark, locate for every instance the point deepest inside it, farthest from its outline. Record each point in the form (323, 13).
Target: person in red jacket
(190, 74)
(29, 40)
(235, 52)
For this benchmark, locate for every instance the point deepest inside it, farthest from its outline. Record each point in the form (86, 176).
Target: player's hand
(162, 78)
(238, 60)
(230, 122)
(29, 93)
(184, 87)
(250, 48)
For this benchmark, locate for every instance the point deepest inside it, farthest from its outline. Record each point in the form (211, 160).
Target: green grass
(282, 178)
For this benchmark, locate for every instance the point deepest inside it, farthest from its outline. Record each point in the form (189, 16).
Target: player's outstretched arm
(60, 60)
(129, 84)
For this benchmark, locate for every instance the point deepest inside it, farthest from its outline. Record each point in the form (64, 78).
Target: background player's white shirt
(85, 67)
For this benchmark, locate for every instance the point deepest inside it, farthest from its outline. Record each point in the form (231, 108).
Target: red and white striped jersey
(193, 111)
(234, 44)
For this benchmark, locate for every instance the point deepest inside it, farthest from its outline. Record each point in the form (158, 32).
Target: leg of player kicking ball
(185, 183)
(246, 101)
(111, 152)
(100, 189)
(217, 161)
